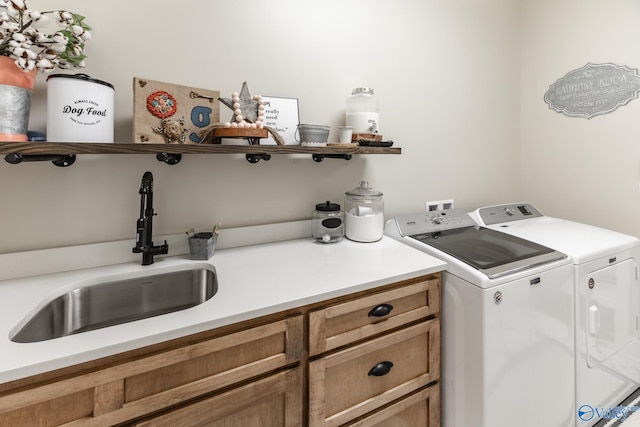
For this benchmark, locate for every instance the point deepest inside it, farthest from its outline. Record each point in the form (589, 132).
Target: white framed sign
(282, 115)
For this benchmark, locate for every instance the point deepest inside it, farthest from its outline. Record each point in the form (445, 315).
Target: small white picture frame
(281, 114)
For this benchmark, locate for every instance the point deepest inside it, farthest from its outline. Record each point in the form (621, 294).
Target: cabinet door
(273, 401)
(352, 382)
(341, 324)
(153, 383)
(419, 409)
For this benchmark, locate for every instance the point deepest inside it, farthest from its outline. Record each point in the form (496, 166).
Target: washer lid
(489, 251)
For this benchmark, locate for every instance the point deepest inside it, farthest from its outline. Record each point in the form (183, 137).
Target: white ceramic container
(79, 109)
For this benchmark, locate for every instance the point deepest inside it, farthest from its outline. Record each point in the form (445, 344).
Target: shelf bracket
(169, 158)
(61, 160)
(255, 158)
(321, 157)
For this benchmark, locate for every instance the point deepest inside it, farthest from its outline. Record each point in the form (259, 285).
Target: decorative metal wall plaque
(593, 90)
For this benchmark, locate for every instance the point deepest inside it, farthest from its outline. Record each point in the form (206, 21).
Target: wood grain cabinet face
(272, 401)
(342, 386)
(375, 359)
(135, 388)
(342, 324)
(421, 409)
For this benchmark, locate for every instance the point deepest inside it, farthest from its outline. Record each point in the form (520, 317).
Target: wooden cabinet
(367, 359)
(272, 401)
(394, 353)
(151, 383)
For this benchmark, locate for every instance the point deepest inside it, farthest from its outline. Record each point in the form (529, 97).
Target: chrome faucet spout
(144, 224)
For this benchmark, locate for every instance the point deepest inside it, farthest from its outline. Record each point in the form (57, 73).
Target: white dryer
(607, 301)
(507, 323)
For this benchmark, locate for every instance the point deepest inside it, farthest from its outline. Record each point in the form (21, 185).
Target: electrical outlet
(446, 204)
(432, 206)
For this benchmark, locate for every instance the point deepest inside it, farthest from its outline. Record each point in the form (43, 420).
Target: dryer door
(611, 313)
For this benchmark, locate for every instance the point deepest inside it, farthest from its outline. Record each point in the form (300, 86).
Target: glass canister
(327, 223)
(364, 214)
(362, 111)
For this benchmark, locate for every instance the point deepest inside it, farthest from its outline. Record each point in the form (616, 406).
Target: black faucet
(144, 225)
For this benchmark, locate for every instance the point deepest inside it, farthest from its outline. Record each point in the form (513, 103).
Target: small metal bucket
(312, 133)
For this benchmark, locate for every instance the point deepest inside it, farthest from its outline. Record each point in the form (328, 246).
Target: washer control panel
(505, 213)
(429, 222)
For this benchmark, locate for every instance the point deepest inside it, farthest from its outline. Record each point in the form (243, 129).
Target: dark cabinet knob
(382, 368)
(381, 310)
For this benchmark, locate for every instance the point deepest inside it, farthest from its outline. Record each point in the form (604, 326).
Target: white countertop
(253, 281)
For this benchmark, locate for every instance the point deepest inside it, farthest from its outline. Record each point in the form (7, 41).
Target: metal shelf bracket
(169, 158)
(321, 157)
(61, 160)
(255, 158)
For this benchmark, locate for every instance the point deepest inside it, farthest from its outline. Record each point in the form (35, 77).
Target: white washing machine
(606, 301)
(507, 323)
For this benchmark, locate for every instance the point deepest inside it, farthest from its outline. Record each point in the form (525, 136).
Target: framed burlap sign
(170, 113)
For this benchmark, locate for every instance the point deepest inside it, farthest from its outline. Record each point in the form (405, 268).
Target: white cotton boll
(253, 125)
(49, 54)
(33, 14)
(239, 118)
(237, 112)
(45, 64)
(41, 22)
(18, 4)
(236, 105)
(234, 125)
(227, 125)
(11, 11)
(64, 18)
(19, 37)
(77, 30)
(59, 38)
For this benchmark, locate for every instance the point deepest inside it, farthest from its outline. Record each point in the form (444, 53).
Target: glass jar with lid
(364, 214)
(327, 223)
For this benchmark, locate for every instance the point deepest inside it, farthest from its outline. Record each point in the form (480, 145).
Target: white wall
(582, 169)
(447, 75)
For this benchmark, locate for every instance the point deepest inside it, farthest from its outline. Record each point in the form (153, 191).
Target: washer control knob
(436, 219)
(509, 211)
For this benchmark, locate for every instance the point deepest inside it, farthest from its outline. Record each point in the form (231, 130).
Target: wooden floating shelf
(38, 150)
(104, 148)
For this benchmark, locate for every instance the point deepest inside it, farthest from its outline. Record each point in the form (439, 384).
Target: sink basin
(114, 302)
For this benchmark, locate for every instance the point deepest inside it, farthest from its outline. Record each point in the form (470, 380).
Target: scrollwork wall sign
(593, 90)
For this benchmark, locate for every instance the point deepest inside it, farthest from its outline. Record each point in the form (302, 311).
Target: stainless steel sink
(114, 302)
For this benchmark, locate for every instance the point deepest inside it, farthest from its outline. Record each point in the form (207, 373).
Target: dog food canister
(79, 109)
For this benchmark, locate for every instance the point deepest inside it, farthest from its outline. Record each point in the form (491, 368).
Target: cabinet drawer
(143, 385)
(343, 387)
(272, 401)
(419, 409)
(335, 326)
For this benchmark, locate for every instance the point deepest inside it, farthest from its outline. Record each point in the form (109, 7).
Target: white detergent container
(79, 109)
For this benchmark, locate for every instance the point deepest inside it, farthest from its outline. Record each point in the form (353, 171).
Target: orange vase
(16, 86)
